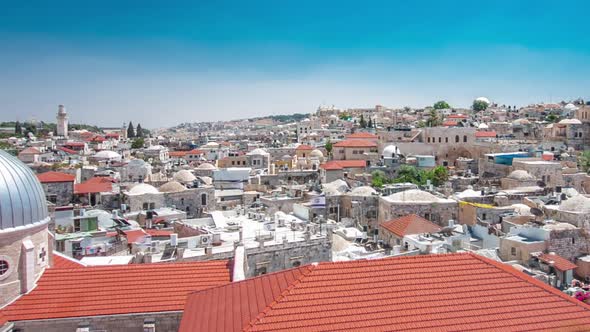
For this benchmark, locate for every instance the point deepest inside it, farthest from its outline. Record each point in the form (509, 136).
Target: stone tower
(62, 121)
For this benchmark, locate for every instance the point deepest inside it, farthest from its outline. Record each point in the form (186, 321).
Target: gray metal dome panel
(22, 200)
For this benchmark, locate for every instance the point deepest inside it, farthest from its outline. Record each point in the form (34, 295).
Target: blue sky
(162, 63)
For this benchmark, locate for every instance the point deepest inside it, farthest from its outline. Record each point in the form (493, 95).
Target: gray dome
(22, 200)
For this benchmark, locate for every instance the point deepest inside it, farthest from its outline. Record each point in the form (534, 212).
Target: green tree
(137, 143)
(584, 161)
(421, 124)
(439, 105)
(438, 175)
(433, 119)
(362, 122)
(139, 131)
(479, 105)
(552, 118)
(378, 179)
(130, 130)
(328, 146)
(370, 123)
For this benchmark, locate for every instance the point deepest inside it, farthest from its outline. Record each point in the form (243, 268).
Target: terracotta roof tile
(431, 292)
(30, 150)
(410, 224)
(355, 143)
(485, 134)
(120, 289)
(362, 135)
(94, 185)
(61, 261)
(559, 262)
(49, 177)
(304, 147)
(341, 164)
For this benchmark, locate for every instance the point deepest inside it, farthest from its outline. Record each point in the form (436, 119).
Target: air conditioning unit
(206, 239)
(155, 247)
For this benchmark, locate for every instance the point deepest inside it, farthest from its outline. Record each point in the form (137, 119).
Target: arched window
(440, 139)
(464, 138)
(203, 199)
(4, 267)
(457, 139)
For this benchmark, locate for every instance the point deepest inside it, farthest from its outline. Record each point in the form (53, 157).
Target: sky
(161, 63)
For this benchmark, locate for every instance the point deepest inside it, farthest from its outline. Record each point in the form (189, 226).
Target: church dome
(570, 107)
(484, 99)
(22, 200)
(206, 166)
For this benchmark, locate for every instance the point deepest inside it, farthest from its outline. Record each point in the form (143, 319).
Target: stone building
(194, 201)
(24, 245)
(58, 187)
(436, 209)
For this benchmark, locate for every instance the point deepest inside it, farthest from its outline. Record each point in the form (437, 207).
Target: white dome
(107, 155)
(521, 175)
(335, 187)
(414, 196)
(206, 166)
(184, 176)
(363, 191)
(570, 121)
(333, 116)
(143, 188)
(156, 147)
(484, 99)
(482, 126)
(258, 152)
(316, 153)
(286, 158)
(390, 151)
(578, 203)
(137, 163)
(172, 187)
(22, 200)
(570, 107)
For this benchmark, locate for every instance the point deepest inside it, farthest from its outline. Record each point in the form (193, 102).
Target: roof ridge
(308, 269)
(527, 278)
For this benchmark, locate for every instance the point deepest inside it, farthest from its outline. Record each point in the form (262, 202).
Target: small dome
(107, 155)
(578, 203)
(521, 175)
(482, 126)
(413, 196)
(258, 152)
(363, 191)
(172, 187)
(136, 163)
(570, 121)
(390, 151)
(335, 187)
(22, 200)
(143, 188)
(206, 166)
(156, 147)
(286, 158)
(184, 176)
(484, 99)
(520, 122)
(316, 154)
(333, 116)
(570, 107)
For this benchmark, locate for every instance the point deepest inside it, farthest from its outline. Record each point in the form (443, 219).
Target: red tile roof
(303, 147)
(135, 235)
(457, 116)
(61, 261)
(410, 224)
(355, 143)
(341, 164)
(50, 177)
(362, 135)
(449, 124)
(195, 151)
(559, 262)
(485, 134)
(74, 144)
(158, 232)
(68, 151)
(450, 292)
(119, 289)
(94, 185)
(177, 153)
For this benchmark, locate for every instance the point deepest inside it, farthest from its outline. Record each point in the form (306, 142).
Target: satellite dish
(537, 212)
(541, 184)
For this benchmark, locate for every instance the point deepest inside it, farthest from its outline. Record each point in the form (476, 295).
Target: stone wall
(164, 321)
(439, 213)
(569, 243)
(62, 192)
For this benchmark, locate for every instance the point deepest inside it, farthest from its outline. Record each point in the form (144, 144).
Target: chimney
(174, 239)
(396, 250)
(451, 223)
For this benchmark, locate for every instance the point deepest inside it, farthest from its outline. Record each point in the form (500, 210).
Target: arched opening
(203, 199)
(457, 139)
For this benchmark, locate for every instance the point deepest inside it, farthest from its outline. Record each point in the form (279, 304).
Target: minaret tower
(62, 121)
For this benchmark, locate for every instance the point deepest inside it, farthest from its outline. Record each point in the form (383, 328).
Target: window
(513, 251)
(3, 267)
(428, 139)
(145, 206)
(152, 206)
(456, 138)
(446, 140)
(464, 138)
(573, 240)
(203, 199)
(296, 263)
(440, 139)
(483, 216)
